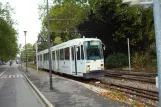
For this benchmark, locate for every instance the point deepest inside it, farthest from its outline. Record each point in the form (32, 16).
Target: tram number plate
(99, 68)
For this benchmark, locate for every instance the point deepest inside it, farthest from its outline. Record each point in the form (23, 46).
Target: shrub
(140, 61)
(116, 60)
(153, 53)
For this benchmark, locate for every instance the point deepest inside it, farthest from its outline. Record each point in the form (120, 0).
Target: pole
(25, 50)
(157, 23)
(50, 73)
(36, 57)
(129, 53)
(21, 59)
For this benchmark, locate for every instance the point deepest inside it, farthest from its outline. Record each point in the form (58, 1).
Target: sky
(26, 14)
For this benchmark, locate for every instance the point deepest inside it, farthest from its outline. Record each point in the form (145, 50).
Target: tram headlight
(87, 68)
(102, 66)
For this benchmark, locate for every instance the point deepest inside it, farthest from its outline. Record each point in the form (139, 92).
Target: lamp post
(36, 47)
(48, 30)
(21, 57)
(25, 49)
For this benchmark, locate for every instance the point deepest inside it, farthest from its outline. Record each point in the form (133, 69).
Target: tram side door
(74, 60)
(77, 61)
(58, 59)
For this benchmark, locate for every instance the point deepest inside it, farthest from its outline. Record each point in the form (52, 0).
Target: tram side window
(78, 53)
(61, 54)
(40, 57)
(72, 53)
(44, 57)
(67, 54)
(53, 55)
(47, 56)
(57, 55)
(82, 52)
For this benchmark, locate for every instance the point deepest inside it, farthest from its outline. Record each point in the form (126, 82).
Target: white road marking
(4, 76)
(3, 72)
(19, 75)
(12, 76)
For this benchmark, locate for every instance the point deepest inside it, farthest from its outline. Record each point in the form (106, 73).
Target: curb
(43, 98)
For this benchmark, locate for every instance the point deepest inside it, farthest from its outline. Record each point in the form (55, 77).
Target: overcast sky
(27, 18)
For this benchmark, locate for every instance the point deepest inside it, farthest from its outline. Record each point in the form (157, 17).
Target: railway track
(142, 74)
(137, 93)
(153, 95)
(134, 77)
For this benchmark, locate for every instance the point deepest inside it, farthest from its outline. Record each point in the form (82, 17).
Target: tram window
(53, 55)
(82, 52)
(78, 53)
(57, 53)
(67, 54)
(47, 56)
(72, 53)
(61, 54)
(40, 57)
(44, 58)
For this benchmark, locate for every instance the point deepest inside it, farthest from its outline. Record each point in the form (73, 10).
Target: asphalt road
(14, 89)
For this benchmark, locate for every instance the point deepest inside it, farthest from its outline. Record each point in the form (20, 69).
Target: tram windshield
(93, 50)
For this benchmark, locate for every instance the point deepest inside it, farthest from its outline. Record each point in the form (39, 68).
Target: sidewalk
(69, 93)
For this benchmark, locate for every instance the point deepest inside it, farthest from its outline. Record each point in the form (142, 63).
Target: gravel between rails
(131, 83)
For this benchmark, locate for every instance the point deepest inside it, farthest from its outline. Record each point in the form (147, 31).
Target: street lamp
(25, 49)
(50, 72)
(36, 47)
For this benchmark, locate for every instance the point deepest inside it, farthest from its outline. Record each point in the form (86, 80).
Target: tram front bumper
(93, 74)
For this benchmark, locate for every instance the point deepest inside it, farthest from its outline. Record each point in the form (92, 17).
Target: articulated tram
(82, 57)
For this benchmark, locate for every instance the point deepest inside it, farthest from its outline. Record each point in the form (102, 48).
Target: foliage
(116, 60)
(68, 14)
(122, 97)
(8, 35)
(153, 53)
(30, 52)
(140, 61)
(113, 23)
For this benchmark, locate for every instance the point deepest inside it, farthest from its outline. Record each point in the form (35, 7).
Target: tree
(8, 35)
(70, 13)
(30, 52)
(113, 23)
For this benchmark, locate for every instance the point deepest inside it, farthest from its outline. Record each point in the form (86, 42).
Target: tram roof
(69, 43)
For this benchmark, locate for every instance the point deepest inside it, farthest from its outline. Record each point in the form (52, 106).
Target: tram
(81, 57)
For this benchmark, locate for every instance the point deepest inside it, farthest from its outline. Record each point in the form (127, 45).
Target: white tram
(82, 57)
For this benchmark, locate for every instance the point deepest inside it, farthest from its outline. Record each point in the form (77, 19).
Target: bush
(153, 53)
(116, 60)
(140, 61)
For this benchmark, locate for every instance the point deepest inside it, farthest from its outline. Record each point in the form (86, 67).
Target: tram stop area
(70, 93)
